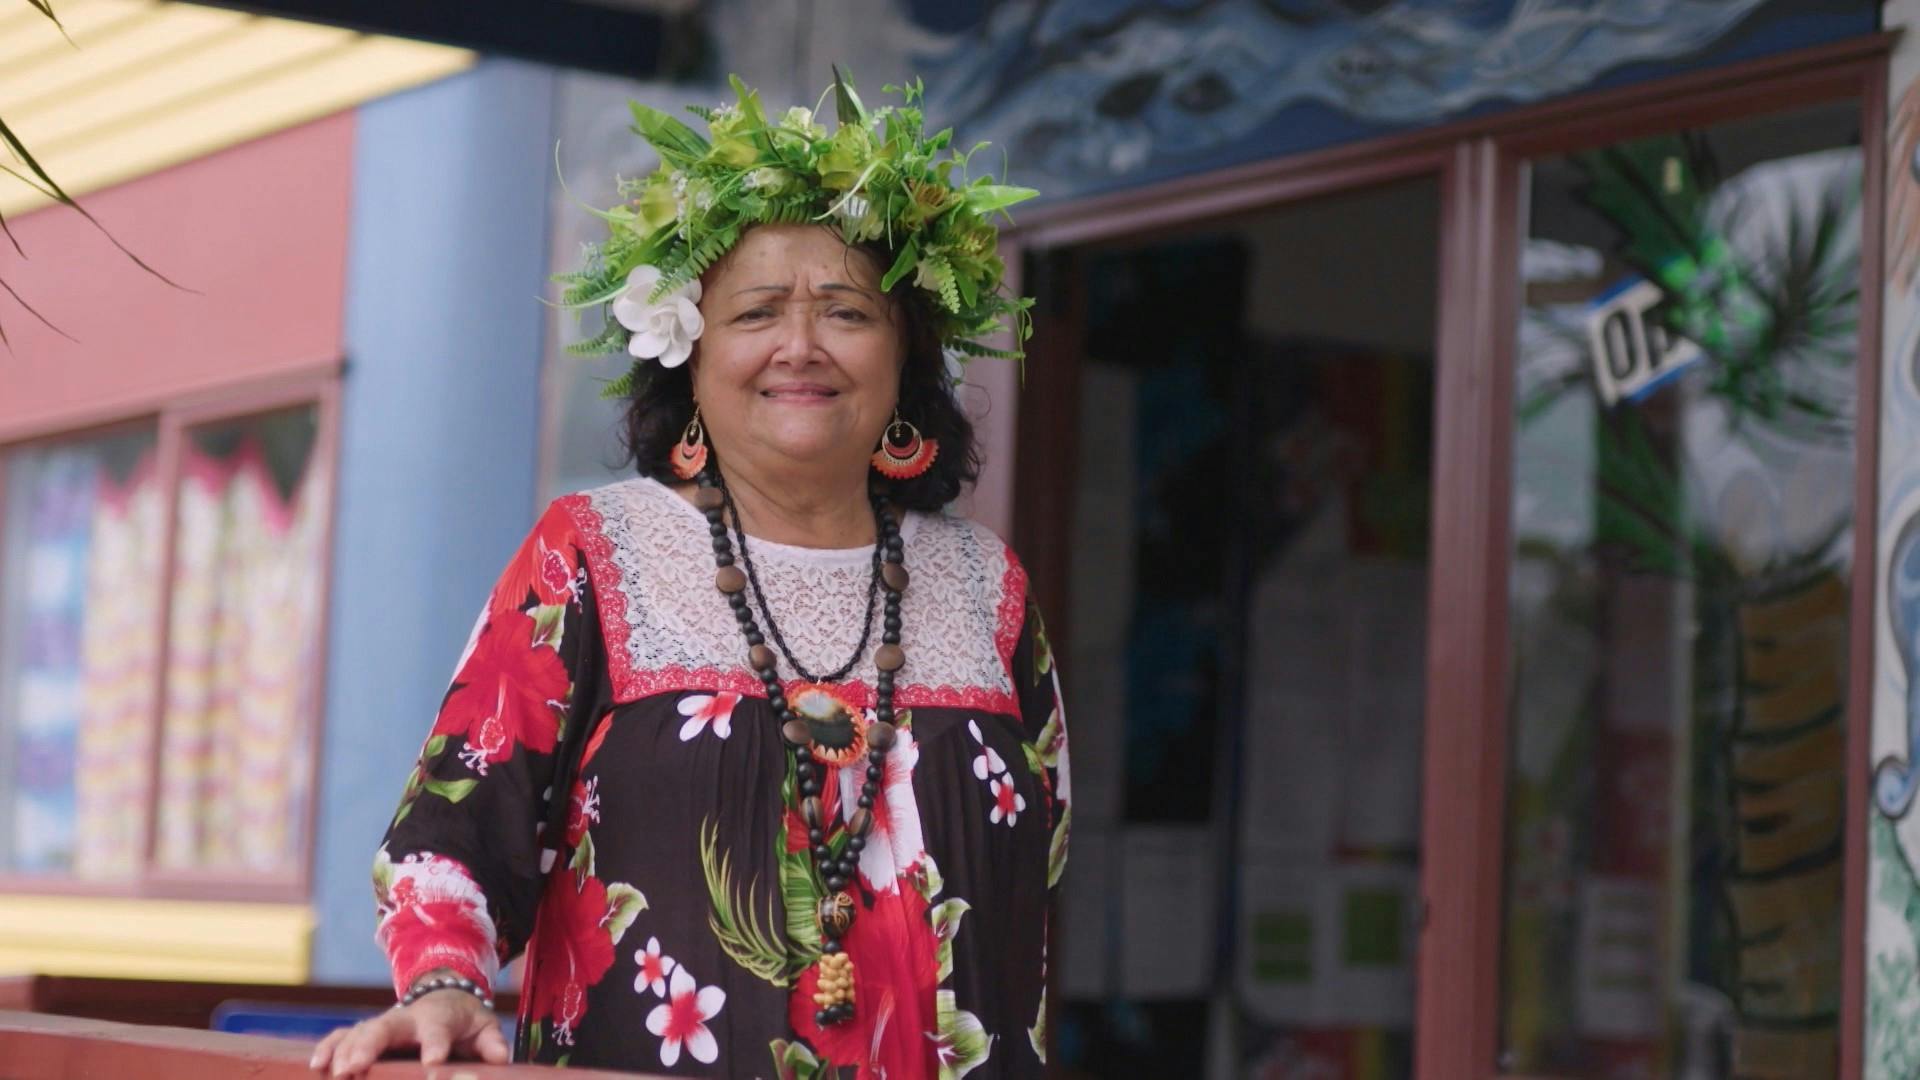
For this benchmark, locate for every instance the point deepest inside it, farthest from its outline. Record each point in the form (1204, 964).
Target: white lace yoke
(668, 629)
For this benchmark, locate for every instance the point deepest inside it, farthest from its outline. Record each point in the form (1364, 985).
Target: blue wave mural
(1088, 94)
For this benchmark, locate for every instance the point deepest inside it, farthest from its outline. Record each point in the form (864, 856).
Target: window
(161, 602)
(1681, 571)
(79, 567)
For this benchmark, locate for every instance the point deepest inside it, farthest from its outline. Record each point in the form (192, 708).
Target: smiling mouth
(817, 393)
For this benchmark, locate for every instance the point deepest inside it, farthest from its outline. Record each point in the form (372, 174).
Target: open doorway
(1239, 418)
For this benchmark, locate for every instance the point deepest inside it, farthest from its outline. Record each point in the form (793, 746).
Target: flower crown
(876, 177)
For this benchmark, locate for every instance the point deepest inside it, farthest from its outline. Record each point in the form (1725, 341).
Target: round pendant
(836, 728)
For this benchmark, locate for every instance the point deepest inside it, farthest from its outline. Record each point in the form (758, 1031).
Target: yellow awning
(145, 85)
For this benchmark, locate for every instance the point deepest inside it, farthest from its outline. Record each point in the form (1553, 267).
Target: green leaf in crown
(877, 177)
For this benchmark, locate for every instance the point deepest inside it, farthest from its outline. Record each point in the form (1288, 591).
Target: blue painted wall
(447, 257)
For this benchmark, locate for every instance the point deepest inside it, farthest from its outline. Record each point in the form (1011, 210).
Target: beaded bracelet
(446, 982)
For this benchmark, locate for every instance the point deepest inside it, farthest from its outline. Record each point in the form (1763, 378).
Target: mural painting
(1091, 94)
(1893, 900)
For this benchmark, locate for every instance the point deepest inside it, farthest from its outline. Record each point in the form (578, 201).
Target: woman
(760, 753)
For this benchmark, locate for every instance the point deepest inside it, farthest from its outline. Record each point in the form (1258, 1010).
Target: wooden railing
(56, 1028)
(37, 1046)
(179, 1004)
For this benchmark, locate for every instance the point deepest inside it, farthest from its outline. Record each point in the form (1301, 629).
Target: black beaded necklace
(821, 739)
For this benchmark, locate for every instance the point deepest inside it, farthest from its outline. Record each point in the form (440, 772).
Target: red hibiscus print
(555, 578)
(510, 692)
(572, 950)
(593, 744)
(585, 810)
(432, 916)
(796, 830)
(892, 946)
(829, 795)
(547, 565)
(493, 734)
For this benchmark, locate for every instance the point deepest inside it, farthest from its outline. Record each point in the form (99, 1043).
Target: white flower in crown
(859, 220)
(852, 208)
(665, 329)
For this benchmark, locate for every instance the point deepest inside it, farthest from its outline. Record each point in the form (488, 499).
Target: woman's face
(800, 361)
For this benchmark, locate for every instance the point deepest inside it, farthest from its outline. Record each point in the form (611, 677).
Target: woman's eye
(754, 313)
(849, 314)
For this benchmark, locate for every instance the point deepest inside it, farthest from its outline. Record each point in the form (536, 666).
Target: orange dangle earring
(903, 454)
(689, 455)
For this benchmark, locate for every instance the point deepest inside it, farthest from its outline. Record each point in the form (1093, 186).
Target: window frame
(1481, 164)
(1469, 732)
(173, 419)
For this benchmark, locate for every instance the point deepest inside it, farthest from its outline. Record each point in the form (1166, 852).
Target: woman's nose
(798, 336)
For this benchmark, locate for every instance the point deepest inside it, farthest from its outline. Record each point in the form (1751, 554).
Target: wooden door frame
(1481, 168)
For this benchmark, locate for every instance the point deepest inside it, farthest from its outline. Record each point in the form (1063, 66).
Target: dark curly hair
(662, 403)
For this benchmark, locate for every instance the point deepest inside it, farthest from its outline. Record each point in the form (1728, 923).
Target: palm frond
(40, 180)
(45, 7)
(744, 941)
(18, 299)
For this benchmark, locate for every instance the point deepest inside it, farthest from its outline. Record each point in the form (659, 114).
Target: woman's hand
(443, 1022)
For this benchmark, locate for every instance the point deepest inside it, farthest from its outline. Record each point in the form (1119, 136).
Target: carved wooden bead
(880, 735)
(890, 658)
(812, 814)
(730, 579)
(795, 732)
(708, 498)
(894, 575)
(860, 823)
(760, 657)
(836, 915)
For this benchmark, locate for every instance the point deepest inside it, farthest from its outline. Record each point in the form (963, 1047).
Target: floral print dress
(605, 787)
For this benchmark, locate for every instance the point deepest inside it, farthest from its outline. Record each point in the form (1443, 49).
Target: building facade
(1464, 453)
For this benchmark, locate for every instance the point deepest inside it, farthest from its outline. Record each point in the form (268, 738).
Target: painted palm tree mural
(1683, 521)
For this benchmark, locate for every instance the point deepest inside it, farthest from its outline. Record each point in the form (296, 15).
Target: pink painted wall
(259, 231)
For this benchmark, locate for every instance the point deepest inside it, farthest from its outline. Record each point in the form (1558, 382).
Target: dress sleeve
(1043, 717)
(458, 876)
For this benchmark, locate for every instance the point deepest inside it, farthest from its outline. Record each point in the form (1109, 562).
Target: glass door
(1680, 582)
(1244, 635)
